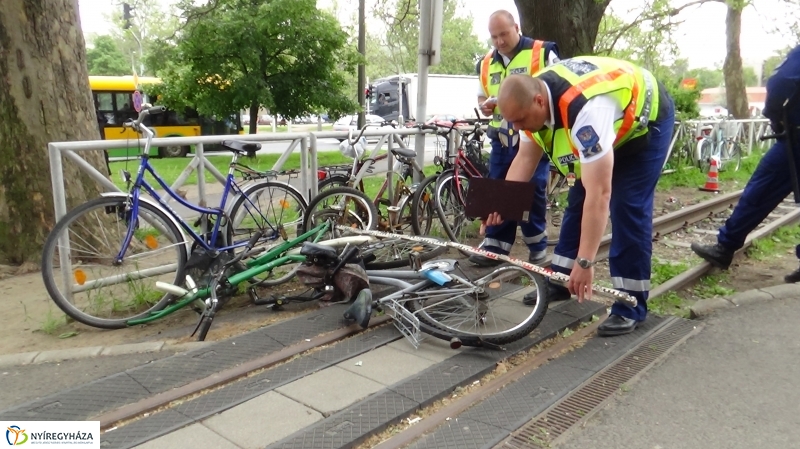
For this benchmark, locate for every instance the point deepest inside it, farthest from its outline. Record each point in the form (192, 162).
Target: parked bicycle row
(124, 259)
(695, 144)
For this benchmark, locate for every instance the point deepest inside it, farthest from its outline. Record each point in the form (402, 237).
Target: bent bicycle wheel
(493, 313)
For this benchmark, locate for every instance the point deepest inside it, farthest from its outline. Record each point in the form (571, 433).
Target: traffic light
(126, 15)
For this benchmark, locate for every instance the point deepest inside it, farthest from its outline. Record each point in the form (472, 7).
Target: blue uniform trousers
(769, 185)
(633, 186)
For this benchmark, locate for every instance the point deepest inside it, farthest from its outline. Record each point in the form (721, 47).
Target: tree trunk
(735, 92)
(571, 24)
(44, 97)
(254, 117)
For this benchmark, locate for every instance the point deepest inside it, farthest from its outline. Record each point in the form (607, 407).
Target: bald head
(502, 14)
(523, 102)
(519, 90)
(504, 32)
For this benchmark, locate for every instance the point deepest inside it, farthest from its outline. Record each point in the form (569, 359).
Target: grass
(693, 177)
(169, 169)
(781, 241)
(295, 128)
(669, 303)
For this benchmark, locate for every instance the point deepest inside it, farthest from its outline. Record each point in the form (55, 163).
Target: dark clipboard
(511, 199)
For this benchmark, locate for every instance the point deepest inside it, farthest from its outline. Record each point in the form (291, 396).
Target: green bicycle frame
(269, 261)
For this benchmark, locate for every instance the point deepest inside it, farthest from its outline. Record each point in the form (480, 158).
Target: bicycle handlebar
(137, 125)
(350, 139)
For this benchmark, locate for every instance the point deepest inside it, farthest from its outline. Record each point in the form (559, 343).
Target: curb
(706, 307)
(60, 355)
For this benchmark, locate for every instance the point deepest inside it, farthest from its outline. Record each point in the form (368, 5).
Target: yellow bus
(113, 100)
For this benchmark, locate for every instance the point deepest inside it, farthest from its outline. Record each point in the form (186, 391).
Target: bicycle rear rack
(404, 321)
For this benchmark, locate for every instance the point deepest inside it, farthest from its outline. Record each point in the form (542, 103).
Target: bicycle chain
(558, 278)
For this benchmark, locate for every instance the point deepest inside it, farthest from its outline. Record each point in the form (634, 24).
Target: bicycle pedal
(259, 301)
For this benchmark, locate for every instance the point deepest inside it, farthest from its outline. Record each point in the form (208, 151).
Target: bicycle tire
(370, 209)
(249, 192)
(431, 203)
(370, 264)
(469, 339)
(441, 183)
(51, 244)
(333, 181)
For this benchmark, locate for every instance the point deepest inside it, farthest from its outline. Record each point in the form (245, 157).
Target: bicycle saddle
(310, 249)
(241, 147)
(404, 152)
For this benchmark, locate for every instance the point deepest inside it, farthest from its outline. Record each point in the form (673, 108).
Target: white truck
(447, 94)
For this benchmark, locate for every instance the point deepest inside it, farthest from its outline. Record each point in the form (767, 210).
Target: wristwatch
(584, 263)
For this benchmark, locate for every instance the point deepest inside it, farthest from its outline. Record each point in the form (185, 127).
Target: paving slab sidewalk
(734, 385)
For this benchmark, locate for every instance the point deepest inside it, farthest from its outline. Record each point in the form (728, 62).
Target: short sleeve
(593, 131)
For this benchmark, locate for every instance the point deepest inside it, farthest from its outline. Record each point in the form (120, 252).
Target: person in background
(771, 182)
(512, 54)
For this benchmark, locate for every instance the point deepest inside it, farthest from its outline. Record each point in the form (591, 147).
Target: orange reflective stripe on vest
(629, 114)
(536, 57)
(487, 61)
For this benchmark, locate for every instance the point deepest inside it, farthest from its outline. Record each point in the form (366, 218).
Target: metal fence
(746, 131)
(305, 142)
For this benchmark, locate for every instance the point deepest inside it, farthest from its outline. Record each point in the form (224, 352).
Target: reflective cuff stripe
(538, 254)
(561, 261)
(535, 238)
(497, 244)
(631, 285)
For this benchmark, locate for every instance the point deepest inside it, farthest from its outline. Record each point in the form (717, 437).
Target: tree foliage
(284, 55)
(105, 58)
(152, 21)
(393, 50)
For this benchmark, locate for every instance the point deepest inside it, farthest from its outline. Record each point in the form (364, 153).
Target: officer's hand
(487, 107)
(493, 219)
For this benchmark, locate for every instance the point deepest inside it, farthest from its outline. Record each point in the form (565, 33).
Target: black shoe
(717, 255)
(792, 277)
(483, 261)
(538, 260)
(616, 325)
(553, 292)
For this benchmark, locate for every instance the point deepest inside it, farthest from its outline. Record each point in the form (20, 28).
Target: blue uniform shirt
(782, 85)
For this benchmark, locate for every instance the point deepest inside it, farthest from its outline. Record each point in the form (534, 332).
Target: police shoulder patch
(495, 78)
(587, 136)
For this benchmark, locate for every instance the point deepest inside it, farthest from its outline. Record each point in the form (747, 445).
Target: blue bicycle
(102, 260)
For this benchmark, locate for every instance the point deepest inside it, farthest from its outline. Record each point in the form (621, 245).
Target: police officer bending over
(607, 124)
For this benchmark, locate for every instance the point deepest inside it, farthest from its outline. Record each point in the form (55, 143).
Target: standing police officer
(607, 125)
(771, 181)
(513, 54)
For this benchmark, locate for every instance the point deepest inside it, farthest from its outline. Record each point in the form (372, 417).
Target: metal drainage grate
(540, 433)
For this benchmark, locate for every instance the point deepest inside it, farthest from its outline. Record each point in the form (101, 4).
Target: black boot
(717, 255)
(553, 293)
(792, 277)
